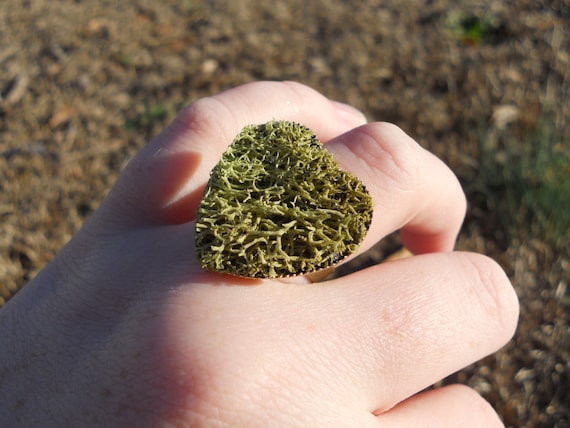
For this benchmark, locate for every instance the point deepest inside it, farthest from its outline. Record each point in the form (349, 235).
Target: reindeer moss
(277, 204)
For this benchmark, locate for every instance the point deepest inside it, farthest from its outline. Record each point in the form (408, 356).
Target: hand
(124, 328)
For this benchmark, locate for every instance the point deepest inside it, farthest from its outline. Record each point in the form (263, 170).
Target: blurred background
(485, 85)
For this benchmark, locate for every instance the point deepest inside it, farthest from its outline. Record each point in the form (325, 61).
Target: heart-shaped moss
(277, 204)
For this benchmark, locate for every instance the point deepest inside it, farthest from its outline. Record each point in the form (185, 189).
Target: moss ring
(277, 204)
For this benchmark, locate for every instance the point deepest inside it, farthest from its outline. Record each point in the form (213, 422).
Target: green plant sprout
(473, 29)
(277, 204)
(150, 116)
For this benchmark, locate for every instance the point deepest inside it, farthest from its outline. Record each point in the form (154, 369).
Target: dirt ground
(84, 84)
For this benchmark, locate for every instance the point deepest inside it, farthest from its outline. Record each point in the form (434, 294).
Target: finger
(368, 340)
(411, 188)
(164, 182)
(452, 406)
(430, 316)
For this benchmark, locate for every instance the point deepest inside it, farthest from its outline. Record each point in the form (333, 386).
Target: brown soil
(84, 84)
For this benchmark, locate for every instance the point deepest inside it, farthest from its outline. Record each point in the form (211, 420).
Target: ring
(277, 204)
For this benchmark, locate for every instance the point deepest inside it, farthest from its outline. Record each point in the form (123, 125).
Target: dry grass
(85, 84)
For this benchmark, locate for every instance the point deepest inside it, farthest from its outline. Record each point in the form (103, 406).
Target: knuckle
(205, 116)
(404, 149)
(386, 148)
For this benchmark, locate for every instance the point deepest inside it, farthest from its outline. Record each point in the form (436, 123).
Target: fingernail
(349, 113)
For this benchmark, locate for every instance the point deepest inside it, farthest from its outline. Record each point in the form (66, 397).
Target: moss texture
(277, 204)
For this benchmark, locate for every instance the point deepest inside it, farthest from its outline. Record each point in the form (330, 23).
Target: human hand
(124, 328)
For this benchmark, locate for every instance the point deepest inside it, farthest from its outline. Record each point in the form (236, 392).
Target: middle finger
(411, 188)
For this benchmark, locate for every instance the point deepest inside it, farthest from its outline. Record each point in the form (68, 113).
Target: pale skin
(124, 328)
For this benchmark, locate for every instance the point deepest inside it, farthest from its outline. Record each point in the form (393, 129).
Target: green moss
(277, 205)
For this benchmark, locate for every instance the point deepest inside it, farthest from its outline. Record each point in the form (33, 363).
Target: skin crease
(124, 328)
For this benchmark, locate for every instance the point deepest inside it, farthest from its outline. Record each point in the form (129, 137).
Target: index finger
(163, 184)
